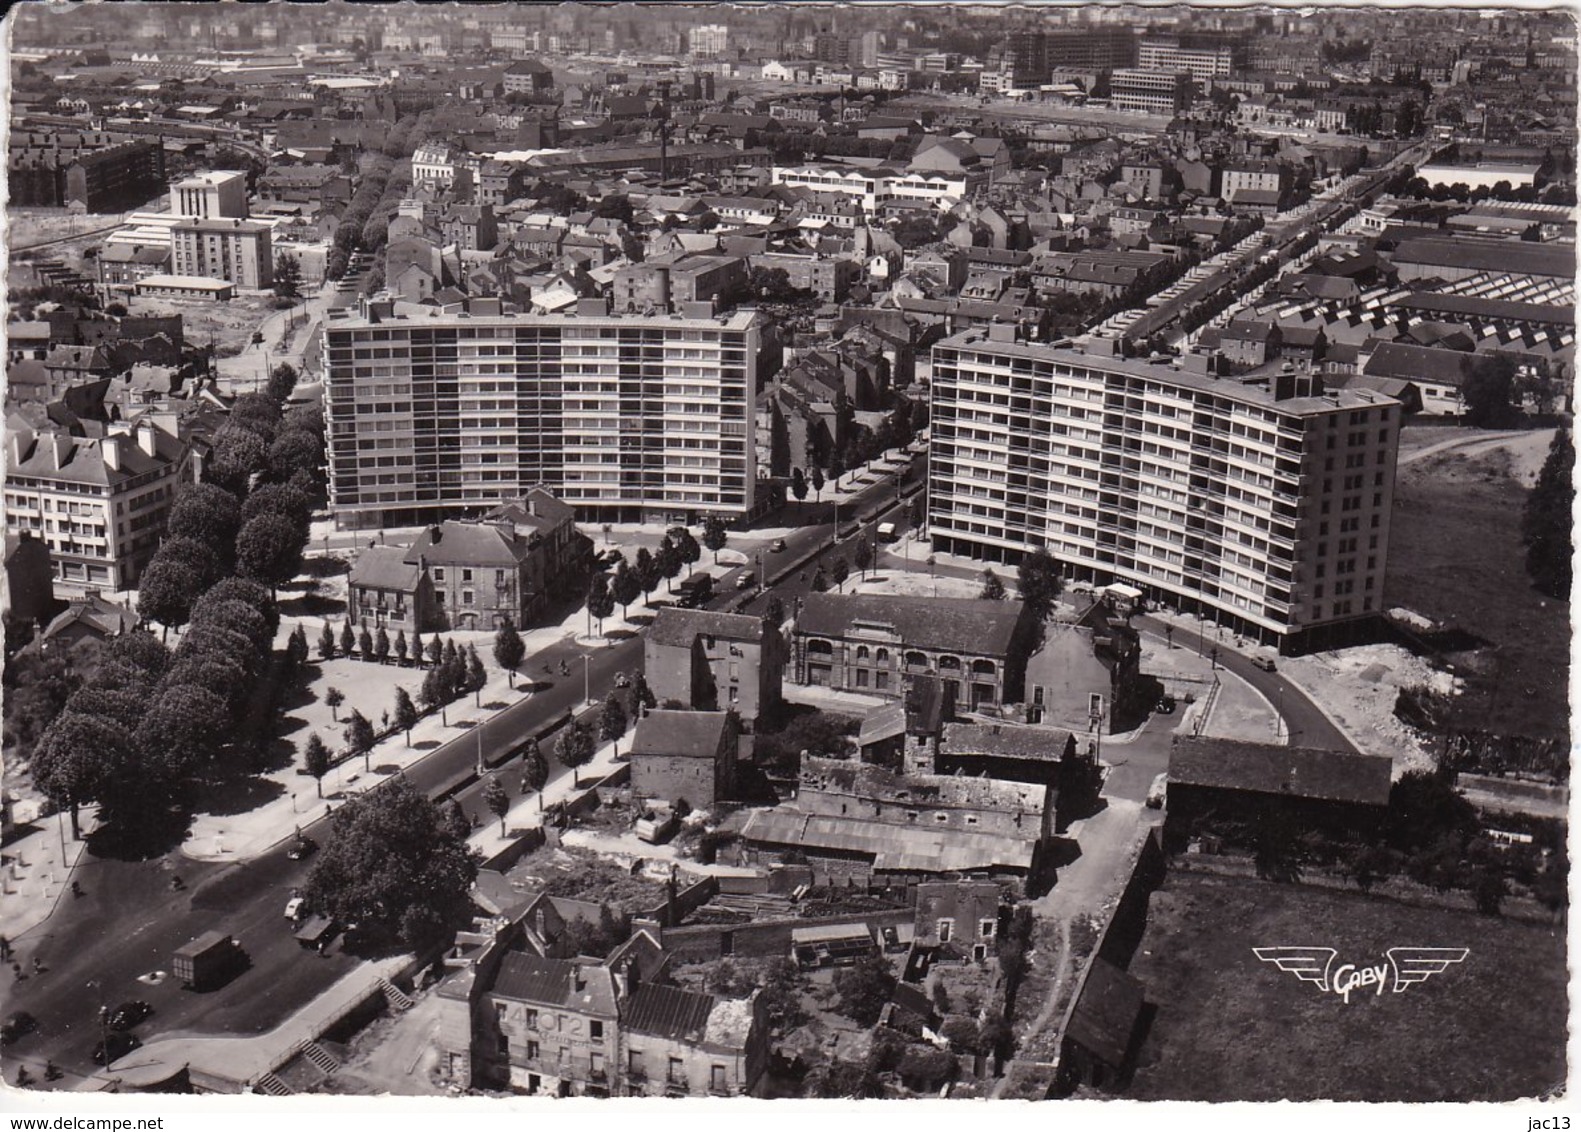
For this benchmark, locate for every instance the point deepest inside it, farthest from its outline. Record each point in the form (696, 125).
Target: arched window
(881, 655)
(984, 667)
(949, 664)
(861, 652)
(916, 660)
(819, 648)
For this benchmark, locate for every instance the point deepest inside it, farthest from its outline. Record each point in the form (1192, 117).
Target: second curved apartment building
(1260, 502)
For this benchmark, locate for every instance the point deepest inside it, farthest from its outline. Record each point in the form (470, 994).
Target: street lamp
(587, 687)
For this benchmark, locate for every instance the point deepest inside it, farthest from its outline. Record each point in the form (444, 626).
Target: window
(504, 1046)
(946, 929)
(716, 1078)
(466, 575)
(677, 1071)
(985, 929)
(532, 1051)
(466, 597)
(439, 573)
(532, 1019)
(595, 1029)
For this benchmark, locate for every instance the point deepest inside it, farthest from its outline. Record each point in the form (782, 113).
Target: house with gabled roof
(685, 756)
(715, 661)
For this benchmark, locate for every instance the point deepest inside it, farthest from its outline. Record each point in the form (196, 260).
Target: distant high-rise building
(629, 418)
(210, 196)
(708, 41)
(1266, 507)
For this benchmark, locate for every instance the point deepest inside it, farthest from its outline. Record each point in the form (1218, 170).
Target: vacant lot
(1230, 1027)
(1455, 556)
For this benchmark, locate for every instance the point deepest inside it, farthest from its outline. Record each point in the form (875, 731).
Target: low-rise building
(384, 590)
(877, 643)
(715, 661)
(685, 756)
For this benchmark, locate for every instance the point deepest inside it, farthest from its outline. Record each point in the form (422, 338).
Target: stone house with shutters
(715, 662)
(877, 644)
(384, 590)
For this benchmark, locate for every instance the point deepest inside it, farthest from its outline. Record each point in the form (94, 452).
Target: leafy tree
(642, 697)
(993, 588)
(68, 762)
(365, 644)
(1039, 581)
(333, 698)
(837, 468)
(238, 455)
(297, 647)
(295, 450)
(774, 610)
(535, 770)
(206, 513)
(182, 726)
(624, 587)
(418, 651)
(574, 749)
(612, 721)
(667, 563)
(817, 482)
(405, 715)
(278, 499)
(477, 676)
(360, 737)
(400, 646)
(864, 988)
(436, 650)
(1423, 808)
(600, 603)
(455, 820)
(281, 384)
(269, 549)
(248, 592)
(798, 484)
(863, 555)
(497, 801)
(1488, 889)
(381, 646)
(394, 865)
(838, 570)
(326, 643)
(509, 650)
(714, 535)
(820, 581)
(165, 592)
(687, 547)
(1488, 391)
(238, 617)
(1546, 524)
(315, 760)
(646, 571)
(199, 557)
(434, 694)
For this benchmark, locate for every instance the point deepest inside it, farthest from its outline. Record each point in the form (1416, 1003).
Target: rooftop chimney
(147, 439)
(61, 446)
(110, 448)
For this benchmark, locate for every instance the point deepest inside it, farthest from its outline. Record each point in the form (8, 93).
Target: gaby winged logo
(1409, 964)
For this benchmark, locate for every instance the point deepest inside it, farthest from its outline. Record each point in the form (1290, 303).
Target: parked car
(1166, 705)
(745, 579)
(129, 1014)
(777, 545)
(1157, 791)
(114, 1047)
(302, 847)
(622, 680)
(1263, 662)
(16, 1026)
(295, 908)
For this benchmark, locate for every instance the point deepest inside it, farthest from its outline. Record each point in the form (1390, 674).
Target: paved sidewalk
(35, 875)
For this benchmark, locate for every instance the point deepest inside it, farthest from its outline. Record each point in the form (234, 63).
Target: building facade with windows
(216, 195)
(1264, 506)
(632, 418)
(237, 251)
(99, 505)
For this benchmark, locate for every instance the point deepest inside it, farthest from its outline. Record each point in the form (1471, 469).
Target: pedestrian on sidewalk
(5, 949)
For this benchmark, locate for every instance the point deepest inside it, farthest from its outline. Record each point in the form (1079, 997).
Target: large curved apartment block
(630, 418)
(1262, 503)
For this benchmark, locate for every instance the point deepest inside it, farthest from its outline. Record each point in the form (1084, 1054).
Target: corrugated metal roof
(668, 1012)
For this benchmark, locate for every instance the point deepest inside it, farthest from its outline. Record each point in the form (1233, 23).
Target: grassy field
(1455, 555)
(1230, 1027)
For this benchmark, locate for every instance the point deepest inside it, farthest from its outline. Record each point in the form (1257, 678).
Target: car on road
(129, 1014)
(114, 1047)
(1157, 792)
(1263, 662)
(1166, 705)
(296, 908)
(17, 1025)
(745, 579)
(302, 847)
(777, 545)
(622, 680)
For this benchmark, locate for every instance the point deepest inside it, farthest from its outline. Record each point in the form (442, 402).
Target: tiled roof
(1420, 363)
(668, 1012)
(695, 734)
(385, 568)
(553, 982)
(1263, 768)
(1107, 1012)
(460, 543)
(1006, 740)
(1508, 257)
(678, 628)
(979, 628)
